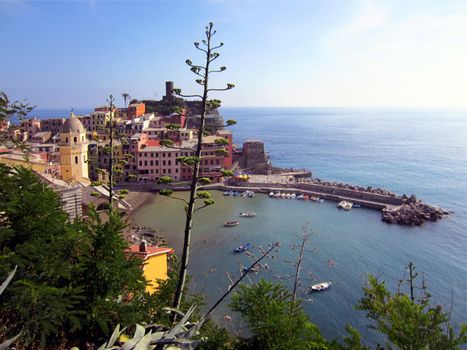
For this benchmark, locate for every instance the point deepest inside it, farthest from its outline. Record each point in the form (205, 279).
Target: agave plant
(6, 344)
(156, 337)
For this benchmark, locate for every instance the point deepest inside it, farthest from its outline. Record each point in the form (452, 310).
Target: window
(163, 162)
(176, 170)
(75, 139)
(170, 162)
(66, 139)
(152, 163)
(157, 162)
(76, 159)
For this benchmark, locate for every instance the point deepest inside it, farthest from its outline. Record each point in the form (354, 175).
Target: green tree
(407, 321)
(125, 96)
(203, 71)
(74, 280)
(274, 319)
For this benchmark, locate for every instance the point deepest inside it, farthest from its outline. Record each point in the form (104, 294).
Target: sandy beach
(138, 199)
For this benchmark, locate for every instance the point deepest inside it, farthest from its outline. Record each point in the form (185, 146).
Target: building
(30, 126)
(154, 263)
(73, 150)
(53, 125)
(254, 155)
(136, 109)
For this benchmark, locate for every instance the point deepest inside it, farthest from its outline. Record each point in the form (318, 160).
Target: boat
(231, 223)
(277, 195)
(271, 194)
(242, 248)
(356, 206)
(227, 193)
(300, 196)
(314, 198)
(254, 269)
(345, 205)
(293, 196)
(283, 195)
(235, 193)
(244, 194)
(320, 286)
(250, 194)
(247, 214)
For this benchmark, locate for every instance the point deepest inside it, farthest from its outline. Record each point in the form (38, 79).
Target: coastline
(138, 199)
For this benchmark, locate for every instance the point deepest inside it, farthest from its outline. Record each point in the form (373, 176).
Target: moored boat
(271, 194)
(254, 269)
(242, 248)
(320, 286)
(247, 214)
(345, 205)
(231, 223)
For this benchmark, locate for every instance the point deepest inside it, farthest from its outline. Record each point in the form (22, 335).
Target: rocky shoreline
(412, 212)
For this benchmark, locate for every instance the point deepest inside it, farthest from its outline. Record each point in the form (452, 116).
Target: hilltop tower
(73, 150)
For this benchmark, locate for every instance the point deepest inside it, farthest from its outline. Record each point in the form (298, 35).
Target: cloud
(381, 56)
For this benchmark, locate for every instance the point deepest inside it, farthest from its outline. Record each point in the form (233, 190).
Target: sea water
(406, 151)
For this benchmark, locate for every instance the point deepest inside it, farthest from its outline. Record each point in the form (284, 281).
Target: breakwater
(402, 210)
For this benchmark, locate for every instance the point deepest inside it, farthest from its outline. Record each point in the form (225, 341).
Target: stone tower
(73, 150)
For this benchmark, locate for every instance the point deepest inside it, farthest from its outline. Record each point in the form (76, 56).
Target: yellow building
(155, 263)
(73, 150)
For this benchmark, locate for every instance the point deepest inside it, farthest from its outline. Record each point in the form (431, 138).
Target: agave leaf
(177, 311)
(6, 344)
(179, 326)
(157, 335)
(139, 332)
(8, 279)
(144, 342)
(114, 336)
(129, 345)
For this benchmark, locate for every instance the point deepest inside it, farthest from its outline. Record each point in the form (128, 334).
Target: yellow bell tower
(73, 150)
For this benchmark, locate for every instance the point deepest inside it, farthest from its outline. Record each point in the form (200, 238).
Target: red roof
(150, 251)
(153, 143)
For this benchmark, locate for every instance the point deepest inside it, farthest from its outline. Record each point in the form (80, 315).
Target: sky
(336, 53)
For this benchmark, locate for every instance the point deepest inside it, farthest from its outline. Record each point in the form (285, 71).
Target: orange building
(136, 110)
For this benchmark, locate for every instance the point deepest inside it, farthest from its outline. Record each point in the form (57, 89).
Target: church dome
(73, 125)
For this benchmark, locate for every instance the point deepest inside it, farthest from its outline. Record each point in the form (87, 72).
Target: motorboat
(320, 286)
(247, 214)
(300, 196)
(231, 223)
(356, 206)
(293, 196)
(242, 248)
(254, 269)
(277, 195)
(250, 194)
(345, 205)
(271, 194)
(227, 193)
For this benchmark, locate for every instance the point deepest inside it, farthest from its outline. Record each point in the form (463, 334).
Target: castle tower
(73, 150)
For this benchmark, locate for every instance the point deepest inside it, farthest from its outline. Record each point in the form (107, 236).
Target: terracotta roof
(150, 251)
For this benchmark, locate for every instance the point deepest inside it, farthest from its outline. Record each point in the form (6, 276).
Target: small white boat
(247, 214)
(345, 205)
(287, 195)
(283, 195)
(300, 196)
(320, 286)
(227, 193)
(293, 196)
(277, 195)
(231, 223)
(250, 194)
(271, 194)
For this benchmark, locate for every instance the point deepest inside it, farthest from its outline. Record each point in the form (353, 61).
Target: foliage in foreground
(409, 324)
(275, 320)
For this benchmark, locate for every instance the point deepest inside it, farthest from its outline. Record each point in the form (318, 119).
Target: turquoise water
(421, 152)
(406, 151)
